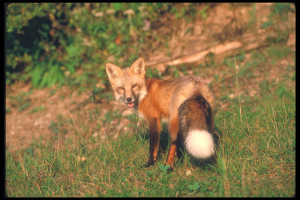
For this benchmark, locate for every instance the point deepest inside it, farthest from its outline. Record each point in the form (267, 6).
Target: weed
(194, 187)
(203, 12)
(183, 69)
(230, 62)
(38, 109)
(276, 52)
(282, 9)
(252, 20)
(210, 61)
(153, 73)
(22, 100)
(267, 24)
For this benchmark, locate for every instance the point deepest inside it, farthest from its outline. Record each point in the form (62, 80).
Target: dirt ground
(50, 107)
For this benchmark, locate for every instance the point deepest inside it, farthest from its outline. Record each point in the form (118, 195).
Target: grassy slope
(256, 157)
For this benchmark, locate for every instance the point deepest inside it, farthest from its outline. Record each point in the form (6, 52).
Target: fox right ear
(138, 67)
(113, 71)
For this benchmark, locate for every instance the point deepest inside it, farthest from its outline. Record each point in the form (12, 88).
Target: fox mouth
(131, 104)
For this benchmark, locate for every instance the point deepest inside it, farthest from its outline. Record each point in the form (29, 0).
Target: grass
(259, 149)
(255, 158)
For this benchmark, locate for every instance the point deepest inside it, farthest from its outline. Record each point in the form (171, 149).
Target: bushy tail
(200, 144)
(196, 126)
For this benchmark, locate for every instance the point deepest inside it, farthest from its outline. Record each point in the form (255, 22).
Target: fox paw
(170, 169)
(148, 164)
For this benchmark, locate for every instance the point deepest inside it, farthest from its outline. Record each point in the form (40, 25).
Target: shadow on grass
(181, 152)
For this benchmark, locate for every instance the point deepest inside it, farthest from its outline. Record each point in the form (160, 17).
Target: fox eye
(121, 88)
(134, 85)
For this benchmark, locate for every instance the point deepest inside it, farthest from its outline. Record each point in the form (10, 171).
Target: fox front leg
(173, 132)
(154, 129)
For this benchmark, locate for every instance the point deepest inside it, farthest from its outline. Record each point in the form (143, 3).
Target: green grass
(255, 158)
(22, 100)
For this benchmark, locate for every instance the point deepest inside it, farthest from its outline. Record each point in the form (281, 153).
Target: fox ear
(113, 71)
(138, 67)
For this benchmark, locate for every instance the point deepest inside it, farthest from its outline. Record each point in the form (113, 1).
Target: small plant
(21, 101)
(252, 20)
(153, 73)
(282, 9)
(164, 168)
(278, 51)
(194, 187)
(38, 109)
(203, 12)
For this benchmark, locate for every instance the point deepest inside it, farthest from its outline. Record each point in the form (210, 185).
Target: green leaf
(117, 6)
(149, 173)
(70, 67)
(164, 168)
(194, 187)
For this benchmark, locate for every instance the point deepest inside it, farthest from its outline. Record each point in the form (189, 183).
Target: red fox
(185, 102)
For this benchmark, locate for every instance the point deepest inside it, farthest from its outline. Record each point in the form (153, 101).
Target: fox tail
(196, 126)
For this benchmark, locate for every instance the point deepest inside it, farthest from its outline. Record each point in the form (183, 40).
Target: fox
(186, 103)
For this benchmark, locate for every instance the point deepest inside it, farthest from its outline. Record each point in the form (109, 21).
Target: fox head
(128, 84)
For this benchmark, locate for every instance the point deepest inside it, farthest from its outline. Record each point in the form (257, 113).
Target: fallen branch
(246, 42)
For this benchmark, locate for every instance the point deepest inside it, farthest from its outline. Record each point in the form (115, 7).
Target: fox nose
(129, 99)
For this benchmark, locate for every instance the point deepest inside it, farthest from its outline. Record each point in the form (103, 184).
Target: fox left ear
(113, 71)
(138, 67)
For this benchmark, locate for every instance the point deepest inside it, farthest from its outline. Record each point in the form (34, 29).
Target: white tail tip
(200, 144)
